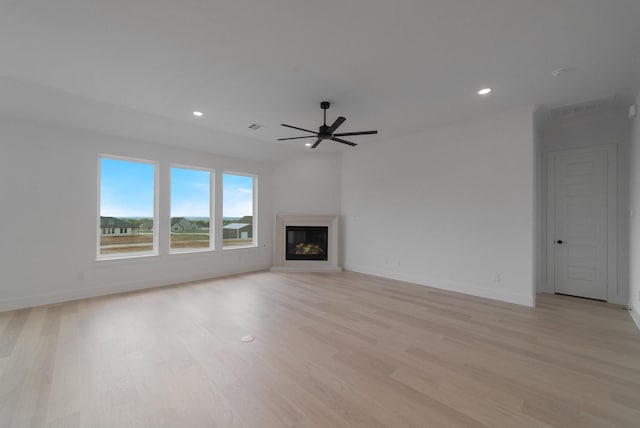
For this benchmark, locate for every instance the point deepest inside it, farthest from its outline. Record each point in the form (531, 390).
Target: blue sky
(190, 192)
(126, 190)
(237, 195)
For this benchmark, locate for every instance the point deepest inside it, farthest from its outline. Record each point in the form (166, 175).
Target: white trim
(471, 289)
(254, 209)
(76, 294)
(212, 174)
(312, 269)
(156, 192)
(283, 265)
(635, 316)
(614, 295)
(191, 250)
(127, 256)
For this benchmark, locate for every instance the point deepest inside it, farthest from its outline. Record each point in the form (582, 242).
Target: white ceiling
(138, 68)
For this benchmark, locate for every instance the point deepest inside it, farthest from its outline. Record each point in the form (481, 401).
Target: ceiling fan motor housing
(323, 132)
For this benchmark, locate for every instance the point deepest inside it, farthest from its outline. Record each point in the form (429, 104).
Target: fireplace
(307, 242)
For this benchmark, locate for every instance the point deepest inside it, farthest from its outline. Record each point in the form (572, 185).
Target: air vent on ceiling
(598, 104)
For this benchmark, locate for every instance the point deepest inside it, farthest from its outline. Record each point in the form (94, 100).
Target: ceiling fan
(326, 132)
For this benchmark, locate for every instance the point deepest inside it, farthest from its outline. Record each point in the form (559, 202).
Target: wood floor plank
(330, 350)
(12, 330)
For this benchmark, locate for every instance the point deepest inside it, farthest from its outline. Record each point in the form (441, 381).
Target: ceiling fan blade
(316, 144)
(299, 129)
(296, 138)
(344, 134)
(349, 143)
(339, 121)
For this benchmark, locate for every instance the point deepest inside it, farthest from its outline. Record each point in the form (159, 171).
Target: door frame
(611, 151)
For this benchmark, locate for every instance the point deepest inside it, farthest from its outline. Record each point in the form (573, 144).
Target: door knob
(560, 241)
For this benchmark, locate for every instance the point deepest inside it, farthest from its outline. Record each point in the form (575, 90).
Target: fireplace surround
(306, 243)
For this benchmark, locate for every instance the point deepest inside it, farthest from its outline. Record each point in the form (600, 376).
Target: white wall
(449, 208)
(609, 126)
(48, 197)
(308, 184)
(634, 244)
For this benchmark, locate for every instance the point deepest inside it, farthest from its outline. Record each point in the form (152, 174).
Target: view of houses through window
(127, 207)
(190, 208)
(238, 210)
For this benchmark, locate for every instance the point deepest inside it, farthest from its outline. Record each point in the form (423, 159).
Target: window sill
(130, 258)
(240, 247)
(184, 251)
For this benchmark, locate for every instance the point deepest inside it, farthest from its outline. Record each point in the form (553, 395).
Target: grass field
(126, 244)
(144, 242)
(115, 240)
(237, 242)
(189, 240)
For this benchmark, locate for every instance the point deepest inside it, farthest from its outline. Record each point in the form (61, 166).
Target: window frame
(212, 192)
(156, 174)
(254, 209)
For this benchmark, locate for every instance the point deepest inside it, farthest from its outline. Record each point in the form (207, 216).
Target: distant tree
(138, 221)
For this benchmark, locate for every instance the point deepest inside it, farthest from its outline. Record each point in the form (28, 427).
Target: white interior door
(580, 242)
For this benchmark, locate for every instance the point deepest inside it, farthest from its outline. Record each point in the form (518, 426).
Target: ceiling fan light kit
(326, 132)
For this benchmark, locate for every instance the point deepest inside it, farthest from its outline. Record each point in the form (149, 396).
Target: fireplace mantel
(282, 265)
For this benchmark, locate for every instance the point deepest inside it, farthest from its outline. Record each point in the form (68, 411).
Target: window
(127, 200)
(238, 210)
(190, 209)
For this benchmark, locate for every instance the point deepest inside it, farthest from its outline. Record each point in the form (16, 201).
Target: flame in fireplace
(303, 248)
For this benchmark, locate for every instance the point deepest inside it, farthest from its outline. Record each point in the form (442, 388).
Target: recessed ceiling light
(197, 114)
(484, 91)
(307, 144)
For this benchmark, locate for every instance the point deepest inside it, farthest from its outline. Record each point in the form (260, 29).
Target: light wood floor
(331, 350)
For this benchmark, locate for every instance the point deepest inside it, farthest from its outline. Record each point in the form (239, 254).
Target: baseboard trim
(315, 270)
(84, 293)
(470, 289)
(635, 316)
